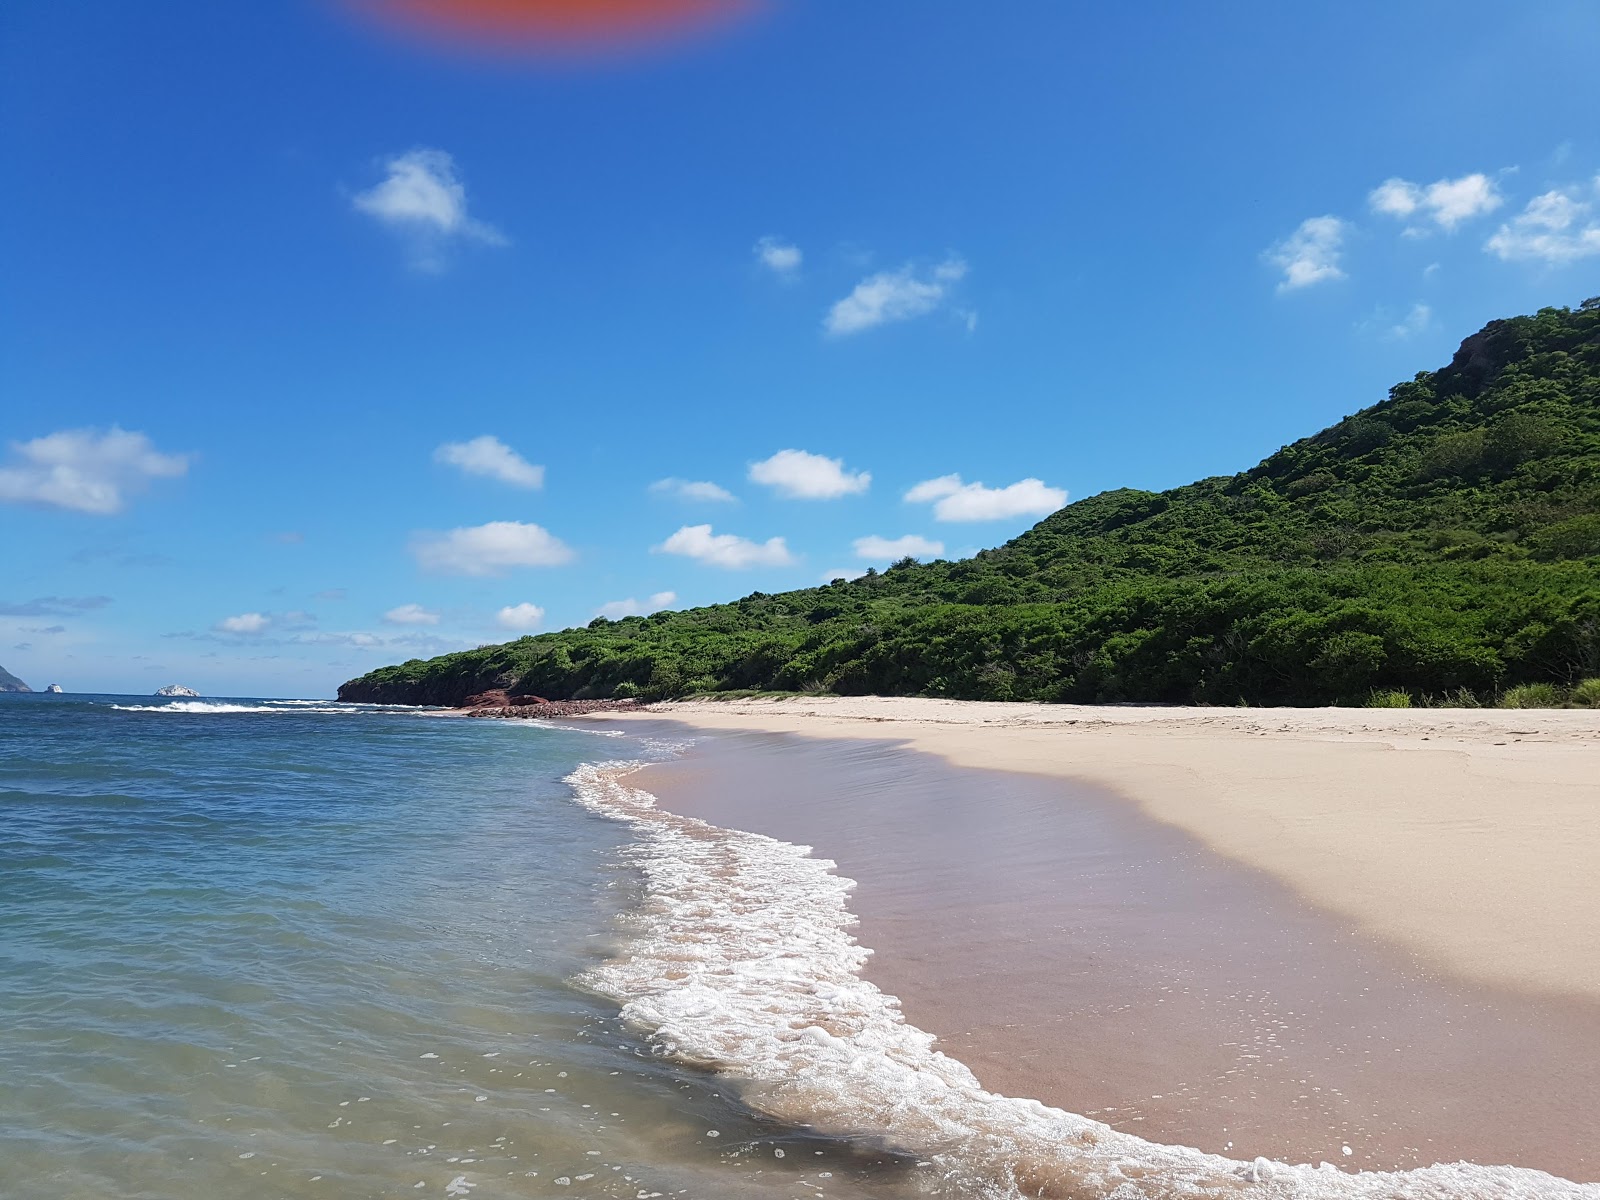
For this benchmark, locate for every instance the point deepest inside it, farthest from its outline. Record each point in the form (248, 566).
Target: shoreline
(1141, 1032)
(1466, 838)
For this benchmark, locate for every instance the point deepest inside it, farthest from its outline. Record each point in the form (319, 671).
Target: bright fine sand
(1469, 837)
(1370, 937)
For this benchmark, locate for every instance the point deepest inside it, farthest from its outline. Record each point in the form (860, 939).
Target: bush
(1460, 698)
(1516, 438)
(1453, 456)
(1532, 695)
(1586, 694)
(1578, 537)
(1388, 699)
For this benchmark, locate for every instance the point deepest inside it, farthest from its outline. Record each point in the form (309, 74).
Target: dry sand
(1470, 838)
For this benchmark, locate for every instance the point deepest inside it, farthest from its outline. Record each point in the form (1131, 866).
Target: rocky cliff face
(10, 683)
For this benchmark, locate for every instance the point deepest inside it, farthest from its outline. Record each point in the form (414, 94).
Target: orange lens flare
(531, 24)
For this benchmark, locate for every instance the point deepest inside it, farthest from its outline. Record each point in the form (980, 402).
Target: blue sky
(399, 337)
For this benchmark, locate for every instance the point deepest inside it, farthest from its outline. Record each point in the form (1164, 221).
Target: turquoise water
(278, 949)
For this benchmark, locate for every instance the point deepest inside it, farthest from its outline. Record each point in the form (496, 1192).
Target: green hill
(1444, 542)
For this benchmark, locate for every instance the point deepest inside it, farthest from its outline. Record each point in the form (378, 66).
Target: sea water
(300, 949)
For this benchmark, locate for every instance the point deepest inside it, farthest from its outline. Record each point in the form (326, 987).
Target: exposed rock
(556, 708)
(10, 683)
(176, 689)
(54, 687)
(500, 698)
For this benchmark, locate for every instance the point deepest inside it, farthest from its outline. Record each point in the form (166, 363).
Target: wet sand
(1070, 948)
(1468, 837)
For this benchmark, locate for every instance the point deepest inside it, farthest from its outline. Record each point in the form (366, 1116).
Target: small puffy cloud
(52, 606)
(615, 610)
(422, 199)
(490, 549)
(700, 491)
(954, 500)
(895, 296)
(244, 623)
(1310, 254)
(85, 470)
(411, 614)
(1446, 202)
(1557, 228)
(1416, 321)
(492, 458)
(725, 549)
(779, 257)
(523, 617)
(882, 549)
(802, 476)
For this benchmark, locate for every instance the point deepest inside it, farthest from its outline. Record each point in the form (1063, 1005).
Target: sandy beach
(1468, 838)
(1331, 935)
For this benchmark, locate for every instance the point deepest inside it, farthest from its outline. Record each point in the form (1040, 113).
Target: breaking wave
(221, 706)
(741, 961)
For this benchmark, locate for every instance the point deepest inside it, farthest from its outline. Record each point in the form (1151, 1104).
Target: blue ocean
(299, 949)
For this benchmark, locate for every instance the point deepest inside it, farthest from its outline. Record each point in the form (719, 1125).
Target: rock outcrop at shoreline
(515, 707)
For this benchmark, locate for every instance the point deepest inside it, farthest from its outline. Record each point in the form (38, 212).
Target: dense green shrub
(1389, 699)
(1532, 695)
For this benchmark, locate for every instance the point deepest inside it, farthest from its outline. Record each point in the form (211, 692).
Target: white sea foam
(211, 706)
(742, 961)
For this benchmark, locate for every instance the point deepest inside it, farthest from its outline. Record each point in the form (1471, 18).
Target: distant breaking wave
(270, 706)
(741, 961)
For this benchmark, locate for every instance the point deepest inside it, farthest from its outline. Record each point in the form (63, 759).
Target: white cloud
(490, 549)
(490, 457)
(702, 491)
(781, 258)
(882, 549)
(250, 622)
(523, 617)
(1557, 228)
(85, 470)
(802, 476)
(725, 549)
(1310, 254)
(615, 610)
(1416, 321)
(1446, 202)
(411, 614)
(422, 199)
(954, 500)
(895, 296)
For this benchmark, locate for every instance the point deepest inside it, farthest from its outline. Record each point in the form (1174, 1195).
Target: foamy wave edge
(201, 707)
(741, 961)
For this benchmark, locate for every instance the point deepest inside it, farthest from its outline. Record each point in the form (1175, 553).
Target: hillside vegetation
(1444, 543)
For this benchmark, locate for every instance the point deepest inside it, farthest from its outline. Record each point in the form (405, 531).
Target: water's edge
(741, 960)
